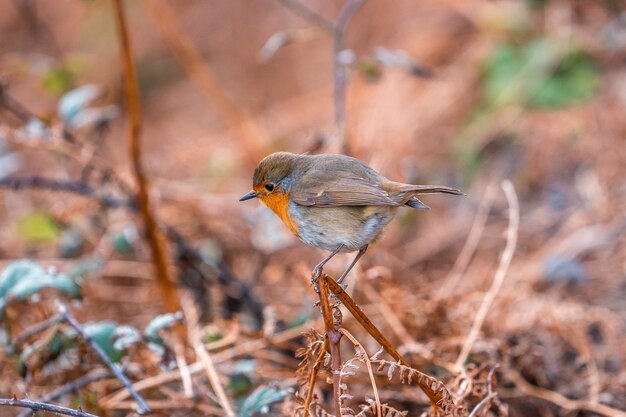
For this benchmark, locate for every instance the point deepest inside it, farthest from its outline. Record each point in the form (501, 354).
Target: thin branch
(334, 337)
(309, 15)
(370, 371)
(80, 188)
(482, 403)
(37, 328)
(498, 280)
(341, 70)
(19, 111)
(168, 290)
(490, 394)
(346, 13)
(337, 29)
(464, 258)
(115, 368)
(191, 316)
(37, 406)
(69, 387)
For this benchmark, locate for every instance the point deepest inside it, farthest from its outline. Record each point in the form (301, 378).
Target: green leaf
(260, 400)
(103, 334)
(159, 323)
(16, 271)
(21, 279)
(37, 227)
(34, 283)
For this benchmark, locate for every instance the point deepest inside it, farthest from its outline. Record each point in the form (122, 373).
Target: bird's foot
(315, 278)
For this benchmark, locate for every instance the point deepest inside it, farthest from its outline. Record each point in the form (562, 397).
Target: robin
(333, 202)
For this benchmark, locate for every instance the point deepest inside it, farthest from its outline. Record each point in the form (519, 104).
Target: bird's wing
(344, 191)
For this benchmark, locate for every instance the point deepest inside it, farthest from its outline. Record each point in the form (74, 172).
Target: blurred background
(461, 93)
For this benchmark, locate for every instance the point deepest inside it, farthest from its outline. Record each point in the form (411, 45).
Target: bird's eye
(269, 187)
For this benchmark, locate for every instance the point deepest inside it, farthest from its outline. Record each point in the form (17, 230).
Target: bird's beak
(248, 196)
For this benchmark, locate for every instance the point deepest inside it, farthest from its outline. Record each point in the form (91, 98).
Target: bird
(333, 202)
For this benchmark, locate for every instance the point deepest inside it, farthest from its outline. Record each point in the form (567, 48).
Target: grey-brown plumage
(333, 202)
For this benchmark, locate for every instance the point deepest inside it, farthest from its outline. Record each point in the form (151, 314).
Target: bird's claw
(315, 278)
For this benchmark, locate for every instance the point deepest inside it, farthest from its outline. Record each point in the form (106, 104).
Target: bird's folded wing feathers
(347, 191)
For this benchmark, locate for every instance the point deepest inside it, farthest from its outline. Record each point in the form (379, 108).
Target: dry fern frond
(315, 341)
(408, 374)
(387, 410)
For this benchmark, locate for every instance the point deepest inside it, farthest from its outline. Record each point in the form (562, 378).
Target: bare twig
(191, 316)
(358, 346)
(280, 39)
(334, 337)
(337, 29)
(19, 111)
(340, 69)
(37, 406)
(498, 280)
(69, 387)
(168, 291)
(490, 394)
(37, 328)
(80, 188)
(183, 367)
(462, 262)
(115, 368)
(308, 14)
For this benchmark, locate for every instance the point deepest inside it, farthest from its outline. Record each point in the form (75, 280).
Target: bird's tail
(408, 193)
(428, 189)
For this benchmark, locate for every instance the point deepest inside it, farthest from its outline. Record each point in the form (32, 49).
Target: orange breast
(279, 203)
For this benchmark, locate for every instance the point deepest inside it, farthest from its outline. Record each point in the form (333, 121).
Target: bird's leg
(317, 271)
(349, 268)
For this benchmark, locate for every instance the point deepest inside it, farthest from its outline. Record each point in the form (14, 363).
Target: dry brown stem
(471, 243)
(434, 389)
(334, 338)
(503, 267)
(362, 354)
(195, 339)
(168, 291)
